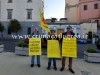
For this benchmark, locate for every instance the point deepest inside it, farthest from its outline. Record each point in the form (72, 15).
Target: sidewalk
(11, 64)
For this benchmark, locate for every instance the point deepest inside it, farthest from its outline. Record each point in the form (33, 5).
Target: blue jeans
(33, 58)
(50, 60)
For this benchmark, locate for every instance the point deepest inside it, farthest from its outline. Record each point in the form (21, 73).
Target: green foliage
(91, 50)
(1, 27)
(14, 26)
(21, 43)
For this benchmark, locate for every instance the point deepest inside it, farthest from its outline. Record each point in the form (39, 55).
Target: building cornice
(70, 6)
(88, 1)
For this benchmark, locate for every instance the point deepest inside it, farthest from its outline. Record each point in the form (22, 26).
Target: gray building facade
(27, 12)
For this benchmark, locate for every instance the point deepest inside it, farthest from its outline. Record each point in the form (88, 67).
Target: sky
(54, 8)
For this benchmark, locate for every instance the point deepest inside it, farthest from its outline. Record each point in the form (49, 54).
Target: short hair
(52, 31)
(69, 27)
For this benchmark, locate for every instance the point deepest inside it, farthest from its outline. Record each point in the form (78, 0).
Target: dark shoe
(48, 68)
(32, 65)
(38, 65)
(61, 69)
(55, 68)
(72, 71)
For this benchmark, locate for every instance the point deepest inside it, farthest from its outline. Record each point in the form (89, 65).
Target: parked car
(82, 41)
(98, 43)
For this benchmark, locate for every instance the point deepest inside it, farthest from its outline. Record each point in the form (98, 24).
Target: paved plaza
(11, 64)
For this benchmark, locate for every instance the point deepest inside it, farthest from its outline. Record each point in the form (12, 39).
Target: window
(29, 31)
(9, 1)
(9, 13)
(29, 13)
(85, 7)
(29, 1)
(96, 6)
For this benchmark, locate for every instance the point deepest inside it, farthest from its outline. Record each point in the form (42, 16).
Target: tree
(14, 26)
(1, 29)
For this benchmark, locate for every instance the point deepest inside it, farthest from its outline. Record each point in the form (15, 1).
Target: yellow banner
(34, 46)
(53, 49)
(69, 47)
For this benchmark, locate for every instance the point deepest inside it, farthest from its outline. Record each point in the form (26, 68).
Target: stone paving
(11, 64)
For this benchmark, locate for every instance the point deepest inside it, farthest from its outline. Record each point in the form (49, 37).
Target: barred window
(9, 13)
(85, 7)
(29, 13)
(96, 6)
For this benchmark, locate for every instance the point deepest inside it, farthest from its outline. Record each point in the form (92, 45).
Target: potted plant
(21, 48)
(1, 47)
(91, 55)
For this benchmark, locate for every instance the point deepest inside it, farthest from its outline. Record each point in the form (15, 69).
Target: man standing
(35, 33)
(52, 37)
(68, 33)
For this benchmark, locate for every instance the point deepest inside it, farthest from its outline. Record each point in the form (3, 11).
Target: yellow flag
(43, 22)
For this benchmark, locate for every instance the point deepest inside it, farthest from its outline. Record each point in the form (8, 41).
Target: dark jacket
(55, 38)
(64, 34)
